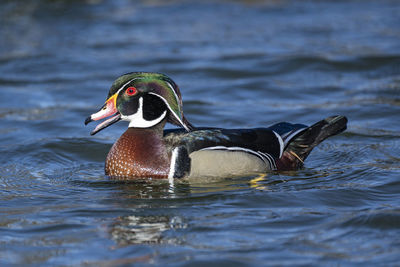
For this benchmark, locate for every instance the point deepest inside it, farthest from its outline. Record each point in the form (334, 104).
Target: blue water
(238, 64)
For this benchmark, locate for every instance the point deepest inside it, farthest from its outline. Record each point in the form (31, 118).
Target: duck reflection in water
(147, 223)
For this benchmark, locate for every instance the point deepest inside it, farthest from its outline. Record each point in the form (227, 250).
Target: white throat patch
(136, 120)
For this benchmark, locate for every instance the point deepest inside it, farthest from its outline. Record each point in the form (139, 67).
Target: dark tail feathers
(301, 145)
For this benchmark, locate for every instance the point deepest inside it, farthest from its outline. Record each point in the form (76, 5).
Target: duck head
(143, 99)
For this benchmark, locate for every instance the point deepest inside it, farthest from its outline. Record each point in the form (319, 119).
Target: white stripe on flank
(172, 165)
(270, 159)
(281, 145)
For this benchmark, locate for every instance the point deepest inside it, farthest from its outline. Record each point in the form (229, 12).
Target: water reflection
(148, 224)
(152, 220)
(139, 229)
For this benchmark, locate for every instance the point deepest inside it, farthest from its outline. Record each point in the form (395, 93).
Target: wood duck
(145, 150)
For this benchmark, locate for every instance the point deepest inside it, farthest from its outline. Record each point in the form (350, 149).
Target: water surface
(238, 64)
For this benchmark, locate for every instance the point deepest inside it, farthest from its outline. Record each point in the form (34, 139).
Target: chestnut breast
(138, 153)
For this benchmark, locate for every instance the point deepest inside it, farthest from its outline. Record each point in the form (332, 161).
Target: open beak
(109, 109)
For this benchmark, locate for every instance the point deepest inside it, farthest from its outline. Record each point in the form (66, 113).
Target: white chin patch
(137, 121)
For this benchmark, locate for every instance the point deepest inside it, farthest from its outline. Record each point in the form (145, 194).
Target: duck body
(202, 152)
(145, 150)
(210, 152)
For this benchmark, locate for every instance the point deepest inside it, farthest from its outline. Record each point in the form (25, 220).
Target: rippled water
(239, 64)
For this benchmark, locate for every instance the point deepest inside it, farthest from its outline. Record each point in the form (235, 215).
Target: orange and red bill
(109, 109)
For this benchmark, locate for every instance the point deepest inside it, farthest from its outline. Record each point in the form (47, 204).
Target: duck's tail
(301, 145)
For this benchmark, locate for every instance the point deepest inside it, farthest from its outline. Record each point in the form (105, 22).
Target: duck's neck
(139, 152)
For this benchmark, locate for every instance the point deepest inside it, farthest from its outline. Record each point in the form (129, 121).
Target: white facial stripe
(172, 88)
(122, 87)
(136, 120)
(170, 109)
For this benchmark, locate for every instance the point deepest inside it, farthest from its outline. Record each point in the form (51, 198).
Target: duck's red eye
(131, 91)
